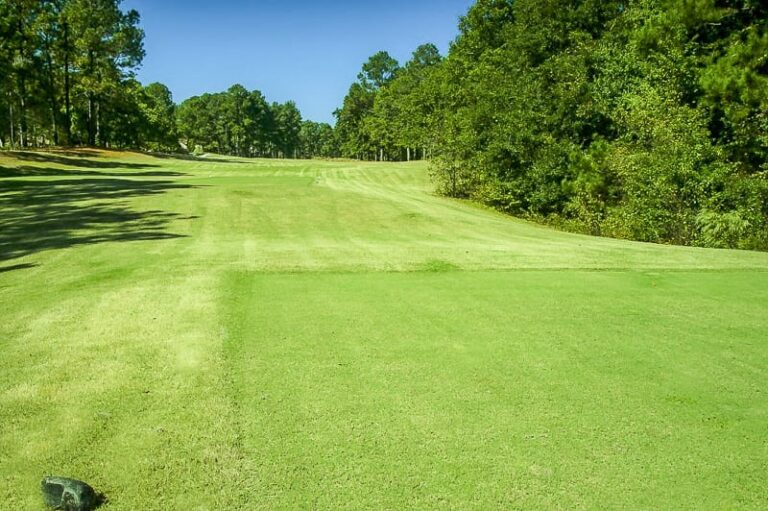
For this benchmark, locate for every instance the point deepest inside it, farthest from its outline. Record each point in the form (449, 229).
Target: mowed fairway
(252, 334)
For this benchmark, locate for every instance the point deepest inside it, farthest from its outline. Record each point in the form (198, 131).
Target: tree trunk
(409, 153)
(54, 127)
(13, 135)
(67, 87)
(23, 135)
(99, 142)
(91, 102)
(91, 130)
(51, 91)
(20, 76)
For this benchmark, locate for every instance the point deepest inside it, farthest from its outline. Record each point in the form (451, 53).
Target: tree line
(387, 113)
(239, 122)
(67, 77)
(65, 72)
(639, 119)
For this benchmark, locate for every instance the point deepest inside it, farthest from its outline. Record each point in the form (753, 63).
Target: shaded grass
(437, 266)
(42, 215)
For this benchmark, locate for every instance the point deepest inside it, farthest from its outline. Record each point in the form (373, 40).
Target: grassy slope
(243, 335)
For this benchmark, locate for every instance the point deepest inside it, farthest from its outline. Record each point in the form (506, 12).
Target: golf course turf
(218, 333)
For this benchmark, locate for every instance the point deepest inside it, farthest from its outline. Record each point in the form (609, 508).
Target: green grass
(225, 334)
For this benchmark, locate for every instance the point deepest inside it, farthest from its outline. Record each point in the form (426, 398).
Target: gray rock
(68, 494)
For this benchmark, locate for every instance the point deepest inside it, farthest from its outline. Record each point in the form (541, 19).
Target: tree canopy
(67, 78)
(67, 69)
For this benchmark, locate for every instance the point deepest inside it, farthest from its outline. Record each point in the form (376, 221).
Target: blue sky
(301, 50)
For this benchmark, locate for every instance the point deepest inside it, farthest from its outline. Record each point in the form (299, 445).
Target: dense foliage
(241, 123)
(644, 119)
(388, 112)
(67, 78)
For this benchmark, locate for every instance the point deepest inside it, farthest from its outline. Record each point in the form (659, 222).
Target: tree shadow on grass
(80, 160)
(50, 214)
(29, 170)
(23, 266)
(79, 152)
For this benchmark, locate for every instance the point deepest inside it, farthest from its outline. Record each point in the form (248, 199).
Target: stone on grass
(68, 494)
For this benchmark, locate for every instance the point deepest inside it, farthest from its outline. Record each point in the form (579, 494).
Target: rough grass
(226, 334)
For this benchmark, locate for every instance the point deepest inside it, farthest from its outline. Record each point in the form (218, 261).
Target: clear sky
(308, 51)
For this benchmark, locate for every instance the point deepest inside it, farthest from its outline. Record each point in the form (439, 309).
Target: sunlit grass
(239, 334)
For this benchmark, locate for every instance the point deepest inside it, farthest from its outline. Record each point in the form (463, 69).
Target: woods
(642, 119)
(67, 78)
(239, 122)
(66, 74)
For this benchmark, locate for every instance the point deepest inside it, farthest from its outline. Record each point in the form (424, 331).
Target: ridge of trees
(638, 119)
